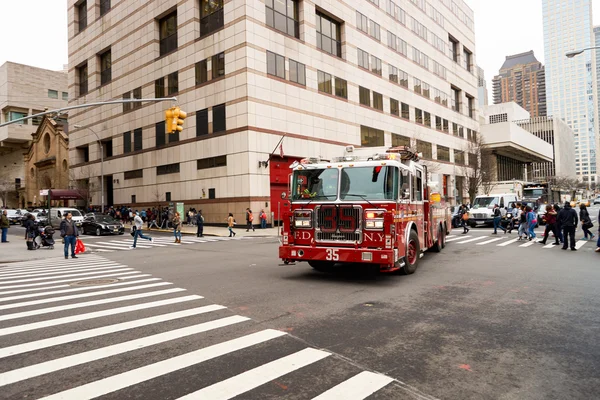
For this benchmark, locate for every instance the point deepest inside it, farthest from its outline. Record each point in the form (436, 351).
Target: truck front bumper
(291, 253)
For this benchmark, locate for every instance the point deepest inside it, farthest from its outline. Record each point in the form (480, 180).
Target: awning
(67, 194)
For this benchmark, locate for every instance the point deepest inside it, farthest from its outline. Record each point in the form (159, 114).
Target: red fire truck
(376, 209)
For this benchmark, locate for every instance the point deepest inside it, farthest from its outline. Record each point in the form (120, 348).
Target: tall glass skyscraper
(571, 82)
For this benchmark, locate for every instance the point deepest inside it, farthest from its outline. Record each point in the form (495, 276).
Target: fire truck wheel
(441, 239)
(321, 265)
(412, 254)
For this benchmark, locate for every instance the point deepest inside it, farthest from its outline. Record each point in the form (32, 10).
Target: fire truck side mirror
(406, 193)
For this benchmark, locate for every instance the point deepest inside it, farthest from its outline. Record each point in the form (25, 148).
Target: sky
(502, 27)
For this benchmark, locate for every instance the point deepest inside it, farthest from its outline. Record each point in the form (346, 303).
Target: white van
(58, 214)
(482, 208)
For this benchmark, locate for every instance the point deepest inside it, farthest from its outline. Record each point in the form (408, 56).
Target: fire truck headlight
(378, 224)
(374, 219)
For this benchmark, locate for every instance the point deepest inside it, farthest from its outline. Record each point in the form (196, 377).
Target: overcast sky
(34, 32)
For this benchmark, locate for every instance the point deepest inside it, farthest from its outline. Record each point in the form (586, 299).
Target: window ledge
(166, 54)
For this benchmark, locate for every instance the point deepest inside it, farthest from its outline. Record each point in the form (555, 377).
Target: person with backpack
(586, 222)
(176, 223)
(263, 219)
(568, 220)
(463, 211)
(249, 219)
(497, 220)
(137, 230)
(200, 224)
(523, 223)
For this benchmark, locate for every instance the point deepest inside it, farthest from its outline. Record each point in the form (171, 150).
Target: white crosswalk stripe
(472, 240)
(505, 240)
(92, 340)
(125, 243)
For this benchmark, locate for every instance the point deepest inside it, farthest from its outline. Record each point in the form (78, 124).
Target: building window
(371, 137)
(159, 87)
(219, 124)
(65, 96)
(134, 174)
(168, 33)
(375, 30)
(161, 138)
(425, 149)
(377, 101)
(376, 65)
(471, 106)
(202, 122)
(497, 118)
(82, 15)
(443, 153)
(453, 49)
(405, 109)
(297, 72)
(104, 7)
(364, 96)
(137, 139)
(211, 16)
(126, 106)
(399, 140)
(426, 91)
(167, 196)
(167, 169)
(211, 193)
(418, 116)
(362, 22)
(467, 59)
(341, 88)
(402, 47)
(173, 82)
(446, 126)
(427, 118)
(403, 78)
(363, 59)
(283, 16)
(137, 94)
(82, 74)
(211, 162)
(455, 129)
(473, 162)
(438, 123)
(392, 41)
(455, 93)
(105, 67)
(201, 72)
(275, 65)
(329, 35)
(53, 94)
(127, 142)
(394, 107)
(218, 65)
(133, 199)
(417, 85)
(108, 148)
(324, 80)
(393, 73)
(459, 157)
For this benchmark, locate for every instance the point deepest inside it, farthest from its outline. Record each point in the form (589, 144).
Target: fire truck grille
(338, 224)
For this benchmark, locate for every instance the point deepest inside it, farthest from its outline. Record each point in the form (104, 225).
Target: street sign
(44, 192)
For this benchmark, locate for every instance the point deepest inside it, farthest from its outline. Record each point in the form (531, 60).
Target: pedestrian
(4, 224)
(558, 223)
(568, 220)
(531, 222)
(497, 219)
(176, 223)
(586, 222)
(30, 231)
(514, 220)
(598, 242)
(230, 224)
(200, 224)
(523, 223)
(69, 232)
(249, 219)
(263, 219)
(550, 226)
(464, 218)
(139, 223)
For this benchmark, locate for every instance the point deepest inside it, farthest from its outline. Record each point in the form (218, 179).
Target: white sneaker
(152, 240)
(131, 247)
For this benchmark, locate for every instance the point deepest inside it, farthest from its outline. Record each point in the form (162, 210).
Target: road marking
(356, 388)
(457, 238)
(508, 242)
(155, 244)
(79, 289)
(116, 268)
(62, 268)
(104, 330)
(103, 250)
(527, 244)
(580, 243)
(57, 263)
(96, 314)
(87, 304)
(490, 241)
(122, 245)
(120, 275)
(81, 295)
(77, 269)
(549, 246)
(450, 236)
(102, 247)
(472, 240)
(21, 374)
(142, 374)
(253, 378)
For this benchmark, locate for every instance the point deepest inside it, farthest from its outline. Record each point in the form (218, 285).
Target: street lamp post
(101, 165)
(577, 52)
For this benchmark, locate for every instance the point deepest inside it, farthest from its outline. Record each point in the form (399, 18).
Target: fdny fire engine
(374, 209)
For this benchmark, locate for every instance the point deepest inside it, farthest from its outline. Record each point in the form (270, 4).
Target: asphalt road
(481, 320)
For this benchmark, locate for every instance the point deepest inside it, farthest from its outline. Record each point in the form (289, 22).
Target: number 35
(332, 255)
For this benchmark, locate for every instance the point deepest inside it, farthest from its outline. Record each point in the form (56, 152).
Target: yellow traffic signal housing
(169, 120)
(178, 119)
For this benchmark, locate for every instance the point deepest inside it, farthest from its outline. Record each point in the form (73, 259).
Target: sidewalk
(16, 249)
(240, 231)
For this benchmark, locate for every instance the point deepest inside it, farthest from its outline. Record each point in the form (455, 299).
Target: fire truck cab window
(315, 183)
(370, 183)
(417, 186)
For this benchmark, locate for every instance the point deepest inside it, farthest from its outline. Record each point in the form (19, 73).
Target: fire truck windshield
(315, 184)
(370, 183)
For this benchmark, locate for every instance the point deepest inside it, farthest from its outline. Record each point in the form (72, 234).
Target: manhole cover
(94, 282)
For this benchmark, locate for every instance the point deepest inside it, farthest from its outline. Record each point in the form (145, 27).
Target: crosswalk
(87, 328)
(507, 240)
(124, 243)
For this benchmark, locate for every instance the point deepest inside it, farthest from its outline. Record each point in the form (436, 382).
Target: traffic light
(174, 117)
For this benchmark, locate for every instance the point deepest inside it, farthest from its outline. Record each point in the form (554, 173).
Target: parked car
(597, 200)
(100, 224)
(41, 218)
(14, 216)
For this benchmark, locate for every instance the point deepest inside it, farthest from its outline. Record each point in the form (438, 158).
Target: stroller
(45, 238)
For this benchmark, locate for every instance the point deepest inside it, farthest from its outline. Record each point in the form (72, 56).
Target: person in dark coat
(586, 222)
(568, 220)
(558, 225)
(551, 216)
(30, 231)
(200, 224)
(69, 231)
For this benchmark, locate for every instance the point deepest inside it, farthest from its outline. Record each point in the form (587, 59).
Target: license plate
(116, 230)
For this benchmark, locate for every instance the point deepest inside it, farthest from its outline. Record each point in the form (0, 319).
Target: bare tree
(6, 188)
(479, 171)
(156, 195)
(81, 183)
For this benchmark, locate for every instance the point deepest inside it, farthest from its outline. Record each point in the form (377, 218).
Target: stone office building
(322, 74)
